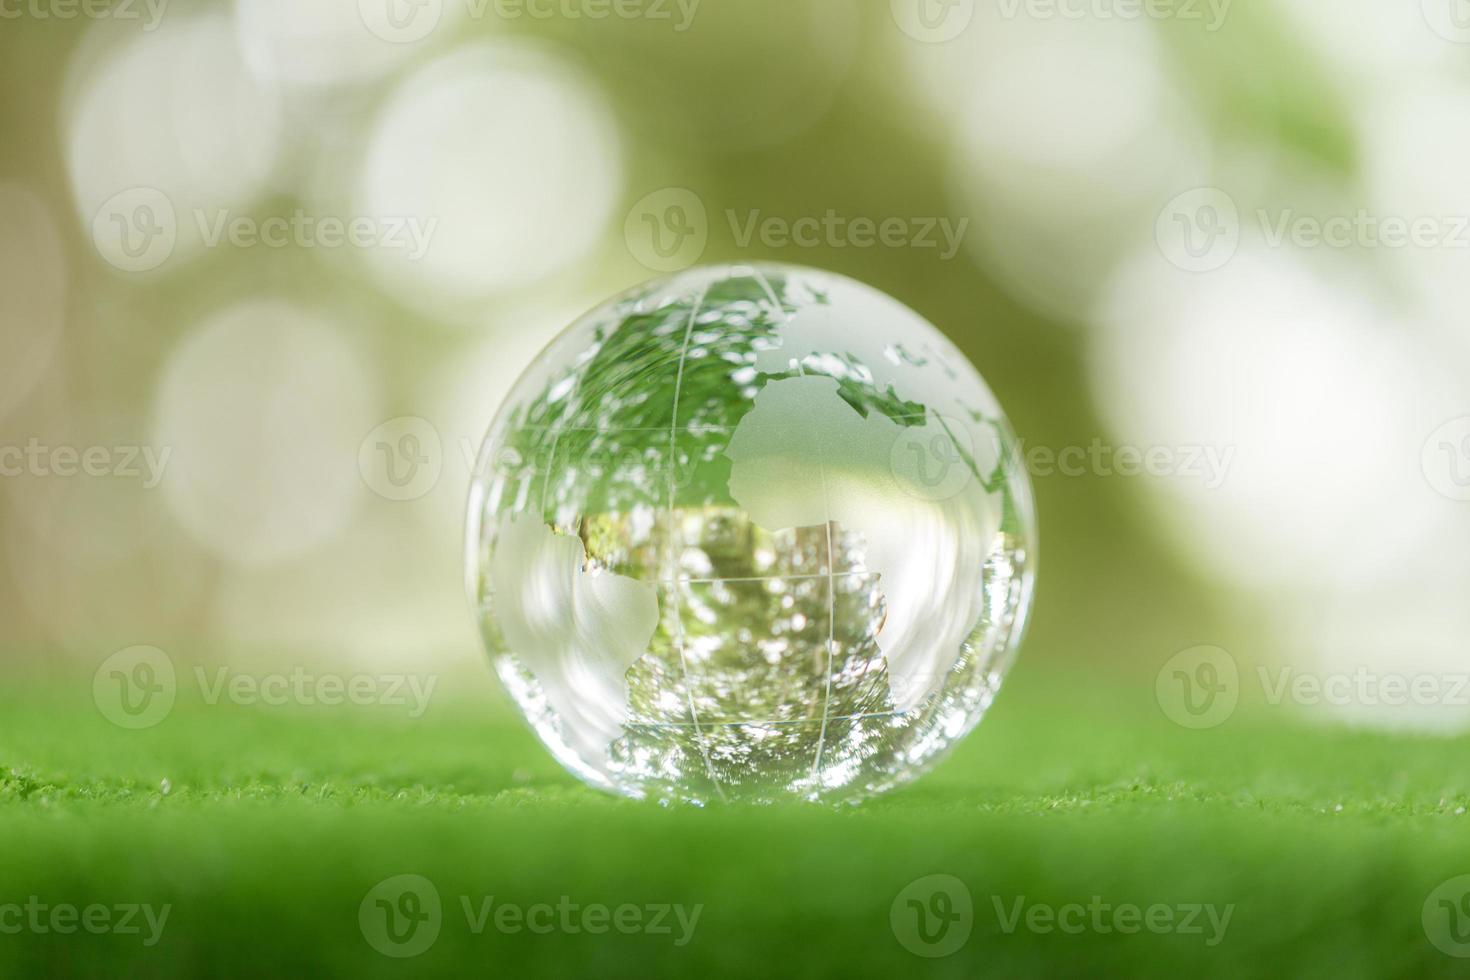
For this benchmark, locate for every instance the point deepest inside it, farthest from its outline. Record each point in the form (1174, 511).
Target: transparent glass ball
(751, 533)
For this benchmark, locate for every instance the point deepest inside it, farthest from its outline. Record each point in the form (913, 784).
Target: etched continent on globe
(750, 533)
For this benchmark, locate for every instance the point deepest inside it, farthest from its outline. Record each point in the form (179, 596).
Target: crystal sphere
(752, 532)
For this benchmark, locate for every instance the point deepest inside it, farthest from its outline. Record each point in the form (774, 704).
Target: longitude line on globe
(831, 578)
(674, 541)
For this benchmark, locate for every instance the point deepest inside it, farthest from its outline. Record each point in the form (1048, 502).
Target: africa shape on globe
(750, 533)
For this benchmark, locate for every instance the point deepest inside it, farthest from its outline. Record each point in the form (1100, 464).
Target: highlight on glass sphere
(751, 533)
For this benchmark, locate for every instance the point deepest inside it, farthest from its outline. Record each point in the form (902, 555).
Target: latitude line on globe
(775, 722)
(674, 541)
(855, 573)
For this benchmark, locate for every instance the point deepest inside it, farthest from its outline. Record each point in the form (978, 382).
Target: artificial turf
(264, 830)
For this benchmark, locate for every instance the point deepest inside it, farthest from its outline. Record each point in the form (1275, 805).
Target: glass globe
(751, 533)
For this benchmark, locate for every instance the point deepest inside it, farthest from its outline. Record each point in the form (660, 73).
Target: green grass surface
(277, 823)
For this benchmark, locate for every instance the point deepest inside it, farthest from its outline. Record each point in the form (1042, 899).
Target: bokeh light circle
(510, 153)
(264, 408)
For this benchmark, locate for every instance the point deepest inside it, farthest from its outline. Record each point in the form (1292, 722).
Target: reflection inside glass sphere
(751, 533)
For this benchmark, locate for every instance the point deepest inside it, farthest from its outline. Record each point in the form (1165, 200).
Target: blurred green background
(241, 242)
(239, 238)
